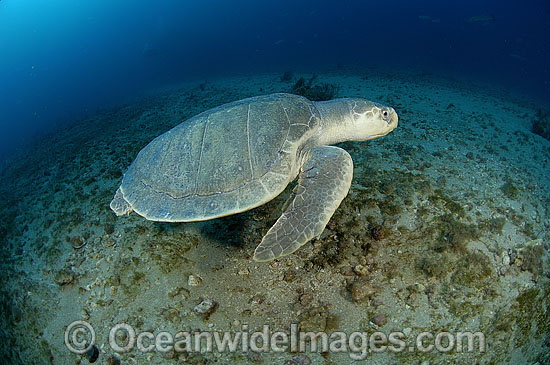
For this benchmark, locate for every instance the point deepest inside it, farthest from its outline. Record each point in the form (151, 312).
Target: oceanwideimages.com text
(80, 336)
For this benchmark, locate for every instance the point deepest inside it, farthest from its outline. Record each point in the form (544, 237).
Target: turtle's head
(355, 120)
(371, 120)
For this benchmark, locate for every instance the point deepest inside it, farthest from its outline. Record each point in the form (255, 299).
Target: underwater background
(66, 59)
(445, 227)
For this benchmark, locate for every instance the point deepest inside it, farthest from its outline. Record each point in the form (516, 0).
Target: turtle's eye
(385, 115)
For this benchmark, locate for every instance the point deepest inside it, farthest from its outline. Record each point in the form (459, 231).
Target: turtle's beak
(393, 121)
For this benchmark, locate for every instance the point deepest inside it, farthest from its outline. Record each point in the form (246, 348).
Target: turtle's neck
(336, 120)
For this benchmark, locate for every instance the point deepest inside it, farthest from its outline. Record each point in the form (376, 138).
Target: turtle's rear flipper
(323, 183)
(119, 205)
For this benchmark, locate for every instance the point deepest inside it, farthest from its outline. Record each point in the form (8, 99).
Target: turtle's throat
(336, 121)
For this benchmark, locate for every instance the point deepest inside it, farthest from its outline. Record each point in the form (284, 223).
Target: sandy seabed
(445, 230)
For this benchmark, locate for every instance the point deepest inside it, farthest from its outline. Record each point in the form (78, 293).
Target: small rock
(314, 319)
(207, 306)
(109, 228)
(194, 280)
(306, 299)
(92, 354)
(257, 299)
(64, 277)
(363, 290)
(115, 280)
(141, 230)
(506, 259)
(379, 320)
(85, 314)
(299, 359)
(169, 355)
(289, 275)
(254, 357)
(378, 232)
(77, 241)
(113, 360)
(110, 242)
(244, 271)
(361, 270)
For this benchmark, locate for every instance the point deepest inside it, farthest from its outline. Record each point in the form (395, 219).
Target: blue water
(64, 59)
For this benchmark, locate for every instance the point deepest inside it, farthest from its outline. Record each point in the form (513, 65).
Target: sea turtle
(241, 155)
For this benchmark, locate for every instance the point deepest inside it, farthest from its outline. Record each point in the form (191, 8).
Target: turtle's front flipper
(323, 183)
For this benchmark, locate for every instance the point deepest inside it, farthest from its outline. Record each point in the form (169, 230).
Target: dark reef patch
(541, 124)
(313, 91)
